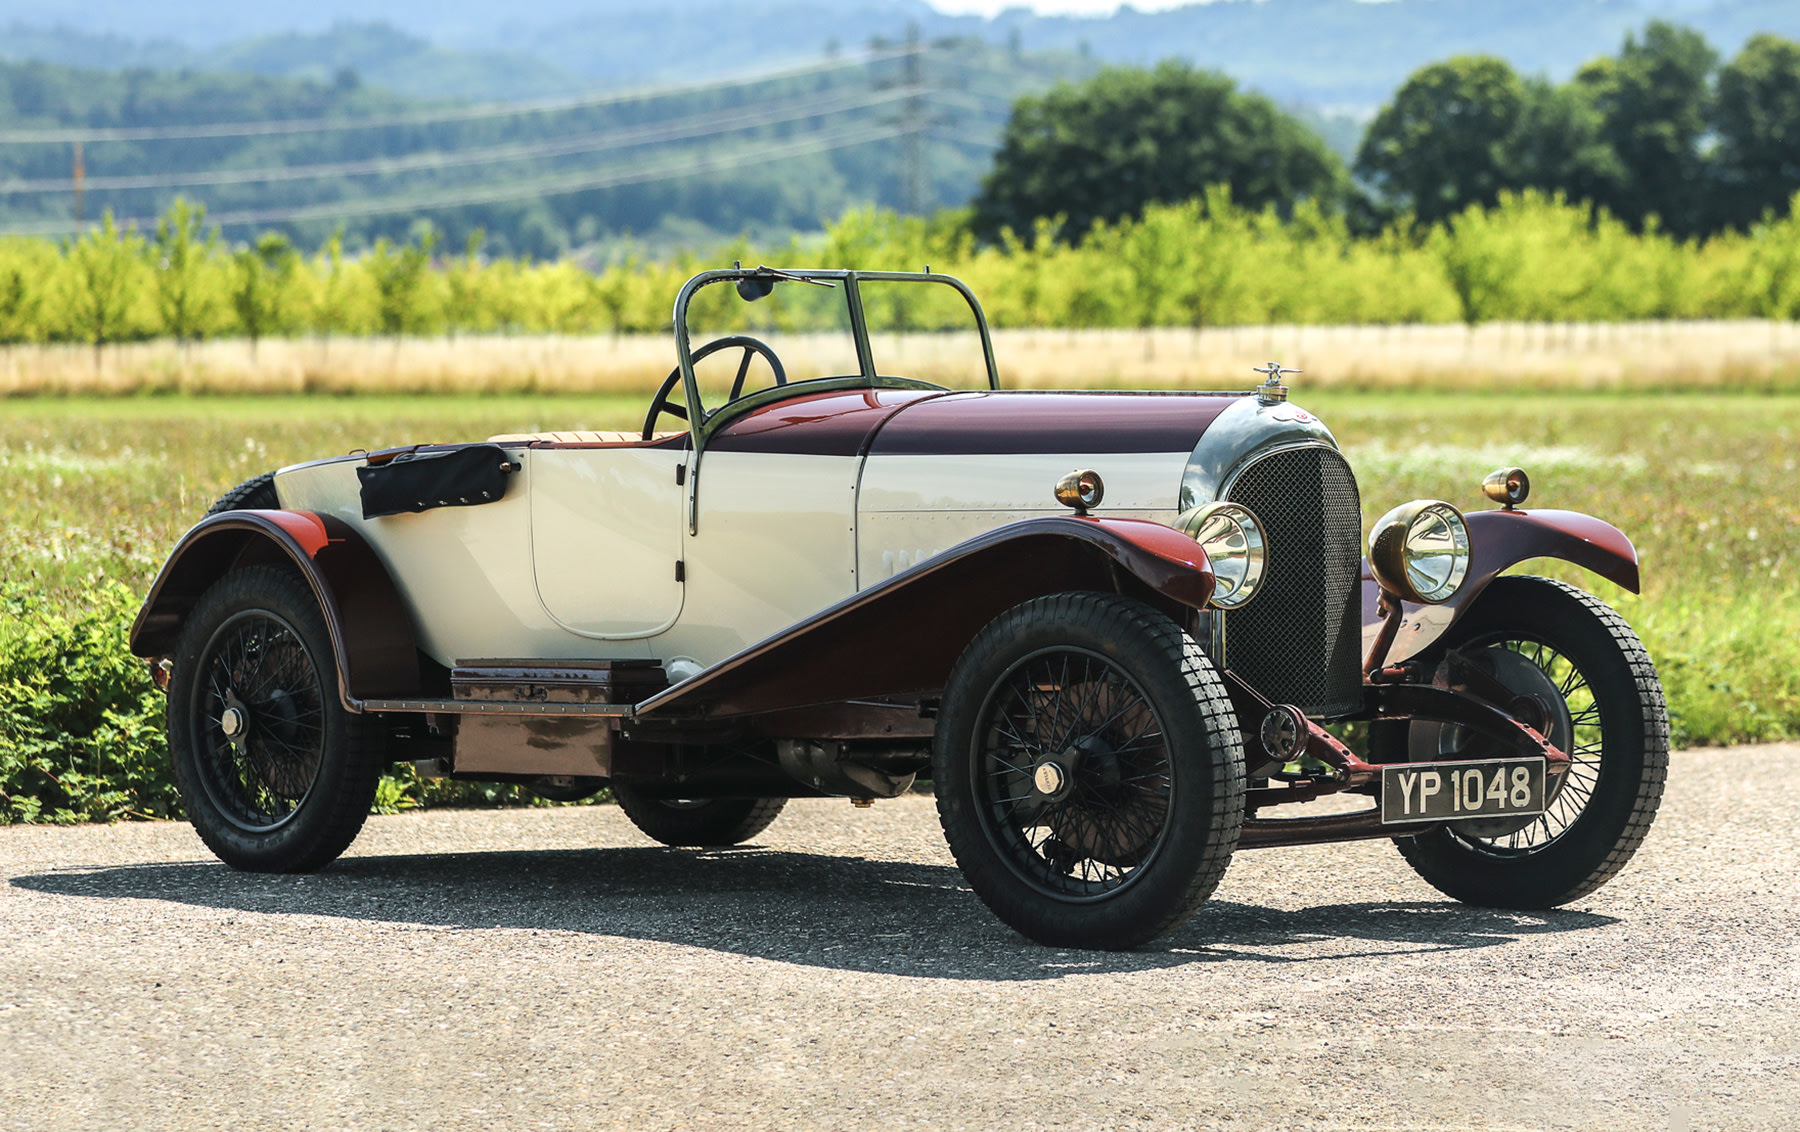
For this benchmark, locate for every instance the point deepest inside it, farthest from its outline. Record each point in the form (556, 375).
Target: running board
(608, 689)
(492, 707)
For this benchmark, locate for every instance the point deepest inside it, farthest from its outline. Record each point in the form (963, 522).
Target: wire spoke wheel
(1088, 770)
(275, 773)
(1073, 721)
(261, 709)
(1575, 665)
(1581, 735)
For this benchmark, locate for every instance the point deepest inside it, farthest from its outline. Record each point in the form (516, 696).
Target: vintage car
(1120, 632)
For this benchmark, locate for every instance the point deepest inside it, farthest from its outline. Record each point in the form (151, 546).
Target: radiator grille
(1298, 640)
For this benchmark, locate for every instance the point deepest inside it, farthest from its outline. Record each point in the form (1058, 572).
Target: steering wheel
(661, 404)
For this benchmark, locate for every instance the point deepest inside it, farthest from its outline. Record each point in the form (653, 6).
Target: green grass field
(1705, 485)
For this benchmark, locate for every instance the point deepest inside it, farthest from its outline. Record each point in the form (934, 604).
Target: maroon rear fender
(1498, 540)
(903, 635)
(376, 650)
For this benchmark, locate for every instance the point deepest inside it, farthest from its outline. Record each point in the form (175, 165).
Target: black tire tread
(1423, 852)
(1225, 825)
(723, 821)
(338, 815)
(254, 494)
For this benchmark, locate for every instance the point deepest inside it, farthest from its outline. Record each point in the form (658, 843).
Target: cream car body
(589, 549)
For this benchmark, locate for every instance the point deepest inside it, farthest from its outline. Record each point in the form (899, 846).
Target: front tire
(1617, 725)
(697, 823)
(1089, 771)
(275, 775)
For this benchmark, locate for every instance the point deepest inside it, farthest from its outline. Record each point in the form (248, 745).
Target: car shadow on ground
(843, 913)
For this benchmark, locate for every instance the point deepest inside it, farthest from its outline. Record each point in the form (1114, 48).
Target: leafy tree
(1104, 149)
(1213, 276)
(1148, 261)
(261, 293)
(1653, 102)
(1772, 289)
(105, 283)
(613, 289)
(16, 306)
(1757, 119)
(1482, 263)
(402, 284)
(1558, 145)
(1461, 132)
(470, 306)
(1442, 144)
(183, 257)
(26, 269)
(341, 301)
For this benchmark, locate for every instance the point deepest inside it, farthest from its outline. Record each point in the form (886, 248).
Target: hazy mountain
(1345, 53)
(781, 155)
(211, 23)
(379, 54)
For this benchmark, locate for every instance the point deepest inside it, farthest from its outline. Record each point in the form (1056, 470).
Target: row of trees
(1661, 136)
(1202, 262)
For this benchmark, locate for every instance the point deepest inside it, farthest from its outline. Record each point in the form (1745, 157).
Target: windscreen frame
(699, 425)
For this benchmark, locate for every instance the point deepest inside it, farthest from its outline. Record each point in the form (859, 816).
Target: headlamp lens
(1420, 551)
(1232, 537)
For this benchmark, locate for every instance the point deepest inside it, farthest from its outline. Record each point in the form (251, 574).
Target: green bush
(81, 726)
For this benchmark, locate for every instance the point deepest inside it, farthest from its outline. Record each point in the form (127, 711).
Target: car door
(606, 537)
(775, 543)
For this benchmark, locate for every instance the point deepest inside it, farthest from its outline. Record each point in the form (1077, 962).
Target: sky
(1107, 7)
(1051, 7)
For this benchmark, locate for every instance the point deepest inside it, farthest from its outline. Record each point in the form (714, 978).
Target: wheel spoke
(261, 780)
(1096, 834)
(1585, 745)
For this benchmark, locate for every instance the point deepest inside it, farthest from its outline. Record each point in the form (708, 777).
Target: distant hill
(669, 176)
(379, 54)
(771, 157)
(1330, 53)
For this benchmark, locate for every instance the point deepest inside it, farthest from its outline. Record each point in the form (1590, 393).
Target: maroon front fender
(1497, 540)
(903, 635)
(377, 654)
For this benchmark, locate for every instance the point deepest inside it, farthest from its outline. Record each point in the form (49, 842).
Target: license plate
(1452, 791)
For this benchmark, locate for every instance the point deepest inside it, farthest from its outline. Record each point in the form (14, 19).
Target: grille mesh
(1299, 640)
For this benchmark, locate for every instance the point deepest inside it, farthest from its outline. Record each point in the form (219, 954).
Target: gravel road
(550, 969)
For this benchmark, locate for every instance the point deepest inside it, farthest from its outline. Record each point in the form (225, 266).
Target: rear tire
(1620, 746)
(1089, 771)
(274, 774)
(255, 494)
(700, 822)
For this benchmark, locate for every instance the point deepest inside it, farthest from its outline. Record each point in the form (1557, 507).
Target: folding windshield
(924, 329)
(747, 332)
(805, 327)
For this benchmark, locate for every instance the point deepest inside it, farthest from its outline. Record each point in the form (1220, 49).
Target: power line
(423, 117)
(693, 126)
(961, 139)
(666, 169)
